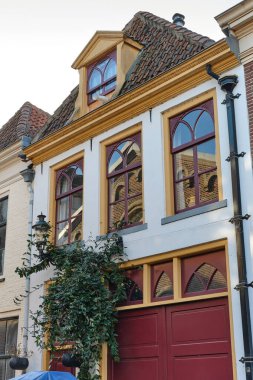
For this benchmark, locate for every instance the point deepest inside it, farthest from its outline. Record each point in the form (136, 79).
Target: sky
(40, 39)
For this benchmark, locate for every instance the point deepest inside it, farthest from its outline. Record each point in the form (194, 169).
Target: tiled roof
(26, 122)
(164, 46)
(60, 116)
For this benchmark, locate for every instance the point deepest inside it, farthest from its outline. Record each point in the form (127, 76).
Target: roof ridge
(178, 31)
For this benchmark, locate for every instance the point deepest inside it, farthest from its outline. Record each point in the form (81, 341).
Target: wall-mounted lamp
(41, 228)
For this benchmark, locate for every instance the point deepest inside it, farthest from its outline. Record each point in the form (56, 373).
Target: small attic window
(102, 77)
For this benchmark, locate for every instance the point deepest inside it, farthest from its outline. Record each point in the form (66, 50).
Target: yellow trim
(168, 165)
(154, 92)
(177, 288)
(146, 284)
(53, 169)
(103, 180)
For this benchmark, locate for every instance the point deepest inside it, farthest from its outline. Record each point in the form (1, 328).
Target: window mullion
(196, 175)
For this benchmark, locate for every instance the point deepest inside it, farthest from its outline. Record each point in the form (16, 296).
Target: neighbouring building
(15, 202)
(147, 141)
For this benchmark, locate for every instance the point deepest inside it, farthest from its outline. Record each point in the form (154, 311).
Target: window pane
(123, 146)
(63, 209)
(111, 85)
(62, 233)
(95, 79)
(2, 236)
(185, 194)
(117, 215)
(182, 135)
(117, 188)
(77, 179)
(208, 186)
(63, 185)
(3, 210)
(2, 369)
(76, 228)
(10, 373)
(11, 337)
(77, 203)
(133, 155)
(135, 212)
(134, 182)
(184, 165)
(115, 163)
(191, 117)
(164, 286)
(206, 155)
(110, 70)
(102, 64)
(204, 125)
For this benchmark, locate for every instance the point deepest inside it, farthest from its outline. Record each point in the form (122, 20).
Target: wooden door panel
(142, 344)
(198, 337)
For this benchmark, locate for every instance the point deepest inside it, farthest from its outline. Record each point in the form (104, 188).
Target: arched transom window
(194, 157)
(69, 203)
(124, 174)
(102, 77)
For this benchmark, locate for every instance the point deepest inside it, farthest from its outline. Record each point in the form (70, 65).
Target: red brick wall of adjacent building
(248, 68)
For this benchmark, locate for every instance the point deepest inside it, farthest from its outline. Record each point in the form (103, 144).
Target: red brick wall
(248, 68)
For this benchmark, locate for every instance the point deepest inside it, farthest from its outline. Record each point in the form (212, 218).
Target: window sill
(126, 231)
(194, 212)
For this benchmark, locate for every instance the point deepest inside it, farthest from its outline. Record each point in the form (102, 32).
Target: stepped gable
(60, 116)
(26, 122)
(165, 46)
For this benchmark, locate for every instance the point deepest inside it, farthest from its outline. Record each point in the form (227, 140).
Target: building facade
(144, 144)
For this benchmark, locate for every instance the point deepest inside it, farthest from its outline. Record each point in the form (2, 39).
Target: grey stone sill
(2, 279)
(193, 212)
(126, 231)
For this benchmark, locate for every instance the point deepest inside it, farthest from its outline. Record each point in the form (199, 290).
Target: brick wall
(248, 68)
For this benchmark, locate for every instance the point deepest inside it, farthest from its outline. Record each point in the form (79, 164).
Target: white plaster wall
(184, 233)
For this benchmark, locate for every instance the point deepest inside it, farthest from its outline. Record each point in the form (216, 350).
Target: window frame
(110, 149)
(111, 56)
(3, 224)
(68, 194)
(176, 110)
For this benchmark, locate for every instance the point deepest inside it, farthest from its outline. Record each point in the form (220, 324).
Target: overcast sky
(40, 39)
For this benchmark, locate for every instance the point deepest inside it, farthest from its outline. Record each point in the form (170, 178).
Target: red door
(186, 341)
(198, 337)
(142, 342)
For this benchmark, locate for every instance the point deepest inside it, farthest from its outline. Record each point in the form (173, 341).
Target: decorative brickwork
(248, 68)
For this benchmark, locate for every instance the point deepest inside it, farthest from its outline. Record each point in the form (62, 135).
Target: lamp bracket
(246, 359)
(235, 155)
(243, 285)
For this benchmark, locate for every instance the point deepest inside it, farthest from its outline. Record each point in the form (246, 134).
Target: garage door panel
(206, 367)
(199, 325)
(137, 369)
(202, 348)
(139, 351)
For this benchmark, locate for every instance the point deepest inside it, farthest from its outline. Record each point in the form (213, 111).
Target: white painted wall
(184, 233)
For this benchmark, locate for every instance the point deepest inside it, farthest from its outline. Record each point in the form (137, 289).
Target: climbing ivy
(79, 305)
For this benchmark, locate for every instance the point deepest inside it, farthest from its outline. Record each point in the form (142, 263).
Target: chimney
(178, 19)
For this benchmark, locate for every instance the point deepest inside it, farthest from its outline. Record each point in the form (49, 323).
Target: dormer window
(102, 77)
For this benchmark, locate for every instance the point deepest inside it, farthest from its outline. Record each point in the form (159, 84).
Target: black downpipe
(228, 84)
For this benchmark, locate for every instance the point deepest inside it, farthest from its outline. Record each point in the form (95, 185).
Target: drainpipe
(228, 84)
(28, 176)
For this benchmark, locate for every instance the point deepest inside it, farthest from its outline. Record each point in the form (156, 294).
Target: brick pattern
(248, 69)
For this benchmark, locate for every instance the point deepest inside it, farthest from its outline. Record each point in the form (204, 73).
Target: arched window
(102, 77)
(206, 278)
(194, 157)
(69, 203)
(124, 167)
(162, 281)
(133, 286)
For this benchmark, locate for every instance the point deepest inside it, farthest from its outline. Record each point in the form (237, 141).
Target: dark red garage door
(187, 341)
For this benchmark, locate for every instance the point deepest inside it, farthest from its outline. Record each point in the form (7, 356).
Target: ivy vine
(80, 303)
